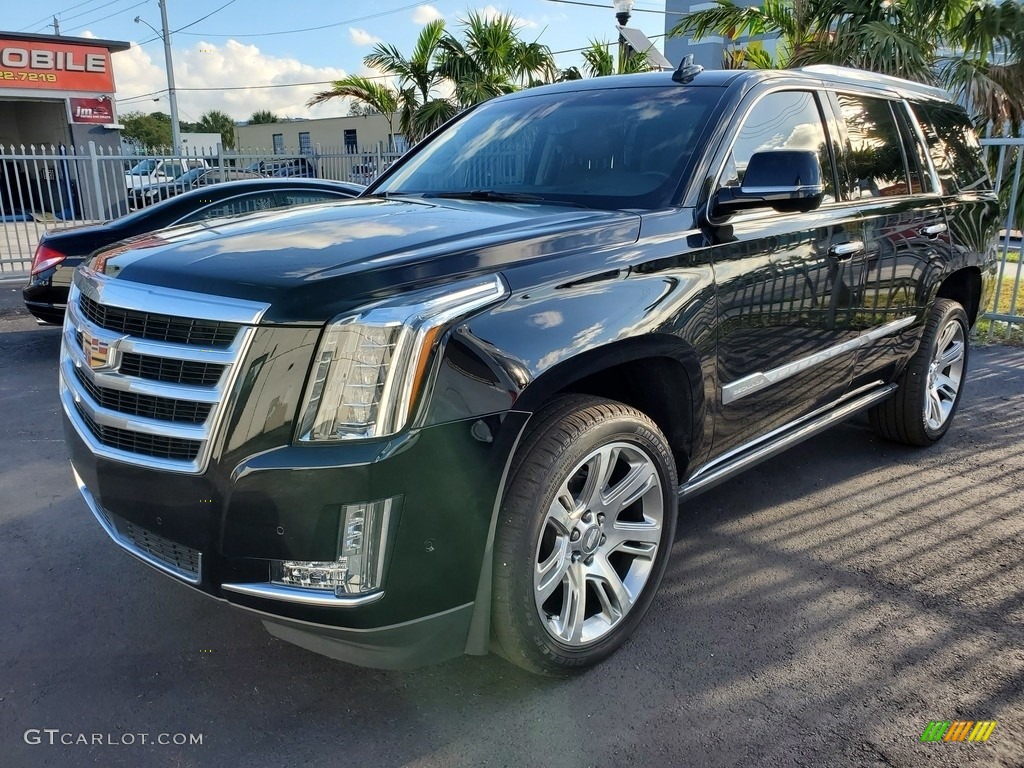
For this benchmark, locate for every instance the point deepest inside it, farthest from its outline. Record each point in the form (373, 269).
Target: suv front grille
(147, 388)
(139, 442)
(148, 406)
(166, 551)
(155, 327)
(173, 371)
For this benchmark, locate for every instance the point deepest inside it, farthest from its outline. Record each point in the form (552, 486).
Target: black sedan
(140, 197)
(60, 251)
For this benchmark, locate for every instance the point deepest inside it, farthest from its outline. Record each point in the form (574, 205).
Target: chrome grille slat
(139, 442)
(159, 327)
(154, 399)
(147, 406)
(171, 371)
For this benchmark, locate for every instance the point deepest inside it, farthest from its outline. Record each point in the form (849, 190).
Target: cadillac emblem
(99, 353)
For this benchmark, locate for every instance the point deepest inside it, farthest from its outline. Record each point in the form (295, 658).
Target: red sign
(99, 110)
(55, 66)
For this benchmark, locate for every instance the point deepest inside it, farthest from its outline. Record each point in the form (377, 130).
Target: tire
(576, 570)
(932, 384)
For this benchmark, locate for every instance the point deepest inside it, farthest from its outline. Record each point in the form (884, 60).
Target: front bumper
(218, 531)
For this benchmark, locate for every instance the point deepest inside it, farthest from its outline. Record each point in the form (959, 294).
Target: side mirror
(786, 180)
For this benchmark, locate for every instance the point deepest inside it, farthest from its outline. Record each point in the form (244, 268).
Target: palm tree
(973, 48)
(444, 74)
(418, 80)
(492, 60)
(263, 117)
(215, 121)
(598, 61)
(378, 96)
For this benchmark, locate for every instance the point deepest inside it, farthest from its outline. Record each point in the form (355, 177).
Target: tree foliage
(444, 73)
(263, 117)
(150, 131)
(215, 121)
(973, 48)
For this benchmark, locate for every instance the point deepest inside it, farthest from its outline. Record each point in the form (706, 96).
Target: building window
(278, 143)
(351, 145)
(305, 145)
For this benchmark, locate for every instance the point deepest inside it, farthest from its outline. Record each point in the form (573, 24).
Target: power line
(203, 18)
(108, 16)
(56, 13)
(305, 29)
(91, 10)
(605, 7)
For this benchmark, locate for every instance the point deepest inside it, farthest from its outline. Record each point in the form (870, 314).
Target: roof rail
(850, 73)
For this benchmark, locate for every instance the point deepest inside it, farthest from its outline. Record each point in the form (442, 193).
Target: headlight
(371, 366)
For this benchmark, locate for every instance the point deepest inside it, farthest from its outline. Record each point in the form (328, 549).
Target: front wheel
(584, 535)
(930, 388)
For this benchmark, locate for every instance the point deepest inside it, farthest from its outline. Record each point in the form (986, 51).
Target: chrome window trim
(129, 546)
(755, 382)
(922, 141)
(194, 217)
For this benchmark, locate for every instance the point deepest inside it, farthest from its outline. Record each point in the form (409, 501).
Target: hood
(312, 262)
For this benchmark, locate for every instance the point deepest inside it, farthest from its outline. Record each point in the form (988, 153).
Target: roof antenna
(687, 70)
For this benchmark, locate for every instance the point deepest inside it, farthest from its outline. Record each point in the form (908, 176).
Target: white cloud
(424, 14)
(208, 66)
(490, 12)
(362, 37)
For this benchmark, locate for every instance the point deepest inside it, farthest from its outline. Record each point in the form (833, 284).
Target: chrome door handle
(844, 251)
(933, 229)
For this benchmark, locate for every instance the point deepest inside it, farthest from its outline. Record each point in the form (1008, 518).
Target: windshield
(143, 167)
(609, 148)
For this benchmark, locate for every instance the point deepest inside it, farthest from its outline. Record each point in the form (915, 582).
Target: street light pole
(172, 95)
(622, 9)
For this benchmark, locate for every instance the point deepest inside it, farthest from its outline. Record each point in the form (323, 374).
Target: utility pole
(56, 26)
(172, 95)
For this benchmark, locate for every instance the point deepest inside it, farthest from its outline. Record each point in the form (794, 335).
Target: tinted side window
(303, 197)
(236, 206)
(784, 120)
(953, 146)
(917, 162)
(873, 154)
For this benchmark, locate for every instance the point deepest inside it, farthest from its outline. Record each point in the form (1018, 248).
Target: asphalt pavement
(819, 610)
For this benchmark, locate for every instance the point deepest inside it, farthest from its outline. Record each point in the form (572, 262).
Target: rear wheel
(930, 388)
(584, 535)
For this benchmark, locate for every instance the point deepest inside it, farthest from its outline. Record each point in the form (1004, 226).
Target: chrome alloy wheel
(945, 374)
(598, 543)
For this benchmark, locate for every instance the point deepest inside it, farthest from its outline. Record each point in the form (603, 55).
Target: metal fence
(55, 187)
(52, 187)
(1006, 315)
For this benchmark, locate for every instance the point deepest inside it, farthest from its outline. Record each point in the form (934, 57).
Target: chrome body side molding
(755, 382)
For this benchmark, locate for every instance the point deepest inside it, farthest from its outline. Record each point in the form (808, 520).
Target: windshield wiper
(503, 197)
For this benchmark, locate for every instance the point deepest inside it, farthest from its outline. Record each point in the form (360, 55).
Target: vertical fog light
(362, 546)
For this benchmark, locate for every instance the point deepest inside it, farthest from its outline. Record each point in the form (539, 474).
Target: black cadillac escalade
(460, 413)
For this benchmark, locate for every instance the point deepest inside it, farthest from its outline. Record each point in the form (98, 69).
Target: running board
(719, 473)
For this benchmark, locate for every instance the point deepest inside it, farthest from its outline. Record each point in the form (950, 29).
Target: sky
(245, 43)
